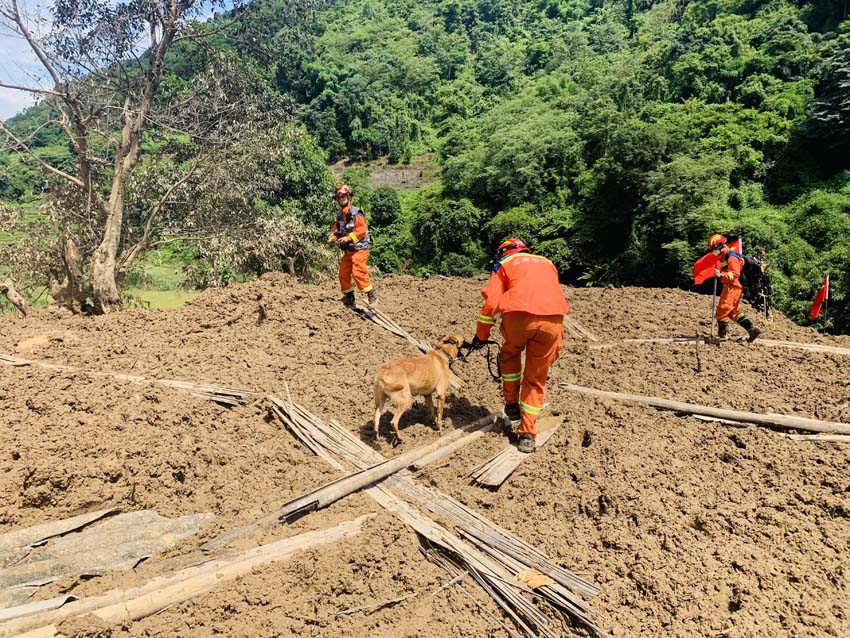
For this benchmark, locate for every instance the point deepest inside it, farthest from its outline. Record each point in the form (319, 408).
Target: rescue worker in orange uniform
(524, 288)
(351, 234)
(729, 271)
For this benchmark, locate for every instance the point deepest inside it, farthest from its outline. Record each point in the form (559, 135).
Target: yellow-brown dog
(399, 380)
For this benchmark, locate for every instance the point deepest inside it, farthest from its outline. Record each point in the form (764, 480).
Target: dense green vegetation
(613, 136)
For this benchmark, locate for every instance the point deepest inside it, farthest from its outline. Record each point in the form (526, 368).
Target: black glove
(477, 344)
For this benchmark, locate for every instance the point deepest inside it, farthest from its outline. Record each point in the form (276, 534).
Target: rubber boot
(512, 412)
(752, 331)
(348, 299)
(526, 444)
(722, 328)
(372, 298)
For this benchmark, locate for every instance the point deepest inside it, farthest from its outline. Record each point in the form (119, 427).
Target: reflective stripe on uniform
(490, 321)
(529, 408)
(511, 376)
(352, 237)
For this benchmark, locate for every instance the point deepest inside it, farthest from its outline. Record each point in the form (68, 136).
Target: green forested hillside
(614, 136)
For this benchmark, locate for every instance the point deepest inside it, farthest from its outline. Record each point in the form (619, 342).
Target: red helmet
(510, 246)
(716, 240)
(343, 191)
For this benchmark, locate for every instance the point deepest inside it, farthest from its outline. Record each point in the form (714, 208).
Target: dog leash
(497, 377)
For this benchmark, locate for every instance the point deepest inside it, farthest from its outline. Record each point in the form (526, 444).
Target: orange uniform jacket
(521, 283)
(730, 265)
(358, 234)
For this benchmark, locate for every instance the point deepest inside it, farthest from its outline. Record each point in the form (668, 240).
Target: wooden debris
(577, 330)
(335, 490)
(772, 420)
(450, 449)
(217, 393)
(496, 471)
(814, 347)
(119, 542)
(820, 438)
(117, 607)
(493, 562)
(14, 297)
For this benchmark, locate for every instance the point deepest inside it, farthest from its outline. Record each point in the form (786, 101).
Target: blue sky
(18, 64)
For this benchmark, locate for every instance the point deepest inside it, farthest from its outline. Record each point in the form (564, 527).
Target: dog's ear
(451, 340)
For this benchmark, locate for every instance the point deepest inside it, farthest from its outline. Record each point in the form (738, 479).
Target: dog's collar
(446, 355)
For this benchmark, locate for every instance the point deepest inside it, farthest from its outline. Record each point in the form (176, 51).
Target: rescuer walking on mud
(525, 289)
(351, 234)
(728, 270)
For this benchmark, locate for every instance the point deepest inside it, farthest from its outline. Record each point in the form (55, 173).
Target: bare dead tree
(106, 63)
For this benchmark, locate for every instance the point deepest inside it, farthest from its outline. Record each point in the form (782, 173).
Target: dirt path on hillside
(691, 529)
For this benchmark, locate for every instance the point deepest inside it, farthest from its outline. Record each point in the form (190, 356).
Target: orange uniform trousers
(727, 305)
(354, 263)
(541, 337)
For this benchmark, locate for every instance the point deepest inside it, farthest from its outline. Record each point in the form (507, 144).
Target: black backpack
(751, 271)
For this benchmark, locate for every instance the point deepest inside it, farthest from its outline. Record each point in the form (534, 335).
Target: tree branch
(26, 149)
(154, 212)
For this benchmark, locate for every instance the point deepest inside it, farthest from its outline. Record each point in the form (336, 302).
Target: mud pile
(691, 528)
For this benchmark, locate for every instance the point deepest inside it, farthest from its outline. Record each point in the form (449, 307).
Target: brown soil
(692, 529)
(420, 171)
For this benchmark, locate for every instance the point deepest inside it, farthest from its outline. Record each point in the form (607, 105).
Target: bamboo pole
(814, 347)
(777, 420)
(120, 606)
(335, 490)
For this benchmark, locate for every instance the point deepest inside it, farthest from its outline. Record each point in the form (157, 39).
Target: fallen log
(117, 607)
(774, 420)
(450, 449)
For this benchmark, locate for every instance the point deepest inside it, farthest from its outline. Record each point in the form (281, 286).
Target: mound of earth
(690, 528)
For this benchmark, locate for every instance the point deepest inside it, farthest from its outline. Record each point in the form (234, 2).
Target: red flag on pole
(820, 298)
(738, 246)
(704, 268)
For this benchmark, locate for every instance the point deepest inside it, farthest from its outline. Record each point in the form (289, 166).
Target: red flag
(704, 268)
(820, 298)
(738, 246)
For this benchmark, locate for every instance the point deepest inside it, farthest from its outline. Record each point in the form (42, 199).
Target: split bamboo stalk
(820, 438)
(119, 606)
(775, 420)
(216, 393)
(313, 432)
(814, 347)
(335, 490)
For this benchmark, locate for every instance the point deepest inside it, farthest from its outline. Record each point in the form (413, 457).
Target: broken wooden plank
(117, 607)
(494, 472)
(773, 420)
(450, 449)
(119, 542)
